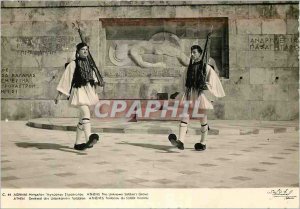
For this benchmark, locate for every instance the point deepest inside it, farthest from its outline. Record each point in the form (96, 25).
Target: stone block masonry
(255, 46)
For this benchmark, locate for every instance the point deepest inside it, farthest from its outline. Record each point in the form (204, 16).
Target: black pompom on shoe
(80, 146)
(175, 142)
(93, 139)
(173, 139)
(200, 147)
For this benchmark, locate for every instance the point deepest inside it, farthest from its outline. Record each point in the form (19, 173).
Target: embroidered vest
(83, 73)
(195, 78)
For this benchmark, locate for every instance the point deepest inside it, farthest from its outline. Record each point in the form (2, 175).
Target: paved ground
(34, 158)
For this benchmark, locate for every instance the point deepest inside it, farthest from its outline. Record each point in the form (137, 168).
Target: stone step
(167, 127)
(162, 115)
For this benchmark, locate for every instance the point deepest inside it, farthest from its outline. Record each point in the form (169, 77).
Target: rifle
(206, 51)
(90, 57)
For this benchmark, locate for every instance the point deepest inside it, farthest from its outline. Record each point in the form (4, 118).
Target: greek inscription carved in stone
(41, 45)
(276, 42)
(286, 42)
(264, 42)
(11, 83)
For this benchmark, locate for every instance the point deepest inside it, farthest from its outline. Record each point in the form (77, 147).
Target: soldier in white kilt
(78, 83)
(201, 80)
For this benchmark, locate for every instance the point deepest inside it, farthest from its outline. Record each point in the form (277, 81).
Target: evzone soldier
(201, 78)
(78, 82)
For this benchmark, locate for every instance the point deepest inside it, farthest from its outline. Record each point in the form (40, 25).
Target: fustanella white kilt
(215, 89)
(85, 95)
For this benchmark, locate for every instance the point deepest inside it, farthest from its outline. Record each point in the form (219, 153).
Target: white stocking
(79, 131)
(204, 128)
(204, 131)
(86, 128)
(85, 113)
(182, 131)
(183, 127)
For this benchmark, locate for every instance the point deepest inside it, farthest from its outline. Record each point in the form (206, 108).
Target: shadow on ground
(51, 146)
(164, 148)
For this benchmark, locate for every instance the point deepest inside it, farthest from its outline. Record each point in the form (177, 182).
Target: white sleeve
(95, 77)
(213, 64)
(65, 82)
(213, 83)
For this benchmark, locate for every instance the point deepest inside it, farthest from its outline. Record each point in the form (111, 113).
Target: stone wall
(38, 39)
